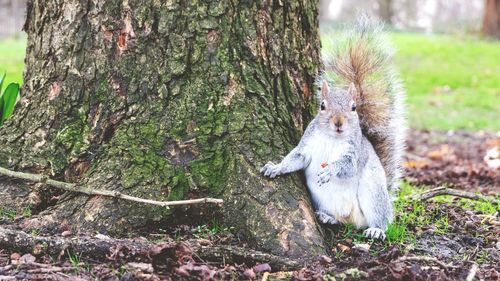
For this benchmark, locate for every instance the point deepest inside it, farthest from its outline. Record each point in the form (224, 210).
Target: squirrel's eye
(322, 105)
(353, 108)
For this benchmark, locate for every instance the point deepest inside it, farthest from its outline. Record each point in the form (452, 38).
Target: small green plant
(483, 257)
(216, 227)
(35, 232)
(27, 212)
(351, 232)
(8, 100)
(484, 207)
(201, 231)
(74, 260)
(396, 233)
(213, 228)
(442, 224)
(9, 214)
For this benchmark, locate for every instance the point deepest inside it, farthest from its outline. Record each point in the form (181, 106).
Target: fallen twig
(472, 272)
(426, 259)
(6, 268)
(50, 270)
(454, 192)
(71, 187)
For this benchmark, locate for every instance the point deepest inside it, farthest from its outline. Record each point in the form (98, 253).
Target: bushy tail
(363, 56)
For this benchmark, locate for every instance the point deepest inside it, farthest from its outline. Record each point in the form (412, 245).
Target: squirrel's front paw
(271, 170)
(375, 233)
(324, 176)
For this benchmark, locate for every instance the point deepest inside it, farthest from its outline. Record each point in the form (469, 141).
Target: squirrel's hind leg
(325, 218)
(375, 233)
(374, 200)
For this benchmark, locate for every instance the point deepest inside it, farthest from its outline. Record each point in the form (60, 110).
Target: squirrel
(351, 151)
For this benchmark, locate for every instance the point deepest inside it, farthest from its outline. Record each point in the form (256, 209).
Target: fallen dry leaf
(492, 158)
(15, 256)
(262, 267)
(27, 258)
(444, 151)
(343, 248)
(249, 274)
(415, 164)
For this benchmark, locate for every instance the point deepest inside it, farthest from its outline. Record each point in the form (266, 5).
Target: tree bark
(491, 20)
(385, 10)
(169, 100)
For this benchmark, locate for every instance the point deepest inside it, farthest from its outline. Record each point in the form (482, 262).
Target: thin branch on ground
(5, 268)
(50, 270)
(426, 259)
(71, 187)
(472, 272)
(454, 192)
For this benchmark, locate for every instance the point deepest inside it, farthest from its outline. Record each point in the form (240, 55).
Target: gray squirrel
(351, 151)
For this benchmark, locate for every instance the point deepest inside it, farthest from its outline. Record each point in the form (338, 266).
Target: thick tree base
(167, 101)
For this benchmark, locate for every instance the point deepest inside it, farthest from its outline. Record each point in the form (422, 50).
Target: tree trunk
(169, 100)
(491, 20)
(385, 10)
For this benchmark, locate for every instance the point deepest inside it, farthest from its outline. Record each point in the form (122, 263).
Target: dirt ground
(466, 242)
(455, 158)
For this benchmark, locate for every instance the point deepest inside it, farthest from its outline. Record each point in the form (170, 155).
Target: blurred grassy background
(12, 52)
(452, 82)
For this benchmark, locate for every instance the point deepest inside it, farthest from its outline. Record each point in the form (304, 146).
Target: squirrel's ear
(324, 89)
(352, 90)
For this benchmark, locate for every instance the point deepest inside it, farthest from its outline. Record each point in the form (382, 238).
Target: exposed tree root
(454, 192)
(426, 259)
(71, 187)
(105, 248)
(238, 254)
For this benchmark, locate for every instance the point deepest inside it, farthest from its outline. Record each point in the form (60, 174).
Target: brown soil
(453, 158)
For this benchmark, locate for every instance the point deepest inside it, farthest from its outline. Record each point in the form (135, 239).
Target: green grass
(11, 214)
(452, 82)
(469, 67)
(6, 213)
(12, 53)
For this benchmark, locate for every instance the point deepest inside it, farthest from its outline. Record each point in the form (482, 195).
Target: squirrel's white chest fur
(337, 198)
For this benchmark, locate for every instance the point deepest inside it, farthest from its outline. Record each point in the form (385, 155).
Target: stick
(71, 187)
(454, 192)
(50, 270)
(424, 258)
(472, 272)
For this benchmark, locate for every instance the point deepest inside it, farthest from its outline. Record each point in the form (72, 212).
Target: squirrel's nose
(338, 121)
